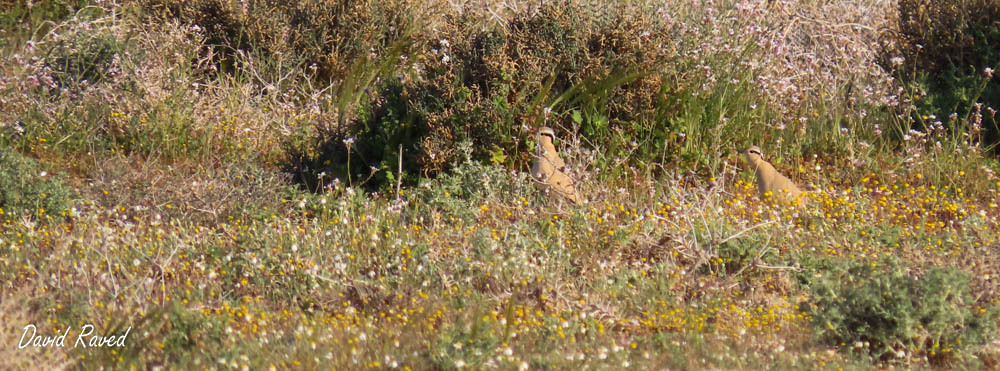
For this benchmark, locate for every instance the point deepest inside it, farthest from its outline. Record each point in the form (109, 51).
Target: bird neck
(759, 164)
(546, 144)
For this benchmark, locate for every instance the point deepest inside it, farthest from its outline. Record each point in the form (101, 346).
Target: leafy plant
(945, 54)
(23, 21)
(27, 188)
(893, 314)
(472, 182)
(88, 57)
(569, 63)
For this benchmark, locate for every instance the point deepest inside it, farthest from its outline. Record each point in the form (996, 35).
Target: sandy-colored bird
(548, 167)
(769, 179)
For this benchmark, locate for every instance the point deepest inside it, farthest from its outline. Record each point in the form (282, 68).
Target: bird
(548, 168)
(548, 150)
(769, 179)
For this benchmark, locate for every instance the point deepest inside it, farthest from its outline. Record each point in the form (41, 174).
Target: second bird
(769, 179)
(548, 167)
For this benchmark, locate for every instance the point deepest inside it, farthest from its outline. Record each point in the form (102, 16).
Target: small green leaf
(497, 156)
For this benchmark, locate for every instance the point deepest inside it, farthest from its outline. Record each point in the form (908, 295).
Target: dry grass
(14, 316)
(184, 226)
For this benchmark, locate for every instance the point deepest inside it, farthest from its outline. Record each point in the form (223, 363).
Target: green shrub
(471, 183)
(258, 28)
(281, 37)
(885, 310)
(87, 56)
(492, 86)
(739, 254)
(941, 36)
(26, 188)
(947, 48)
(287, 48)
(109, 92)
(21, 21)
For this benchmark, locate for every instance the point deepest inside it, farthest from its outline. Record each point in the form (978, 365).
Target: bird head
(546, 135)
(546, 131)
(753, 152)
